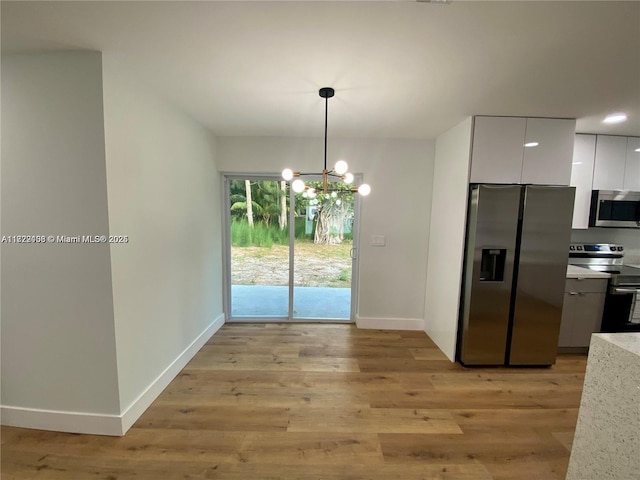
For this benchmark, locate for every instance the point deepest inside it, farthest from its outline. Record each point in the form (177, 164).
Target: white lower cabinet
(581, 311)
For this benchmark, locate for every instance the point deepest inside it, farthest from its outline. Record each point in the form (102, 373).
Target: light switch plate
(377, 240)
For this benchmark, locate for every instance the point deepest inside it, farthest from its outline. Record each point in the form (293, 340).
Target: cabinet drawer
(586, 285)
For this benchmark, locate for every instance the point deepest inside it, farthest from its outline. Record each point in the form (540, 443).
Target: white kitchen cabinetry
(581, 311)
(602, 162)
(632, 165)
(584, 151)
(497, 149)
(548, 163)
(608, 172)
(499, 156)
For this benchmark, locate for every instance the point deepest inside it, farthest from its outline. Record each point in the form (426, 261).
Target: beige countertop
(580, 272)
(606, 441)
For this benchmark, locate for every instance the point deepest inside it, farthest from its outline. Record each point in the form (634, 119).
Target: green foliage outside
(268, 216)
(242, 235)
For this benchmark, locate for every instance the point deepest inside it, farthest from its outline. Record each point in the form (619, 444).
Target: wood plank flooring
(310, 401)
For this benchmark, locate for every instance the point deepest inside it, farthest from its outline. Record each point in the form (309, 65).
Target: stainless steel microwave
(613, 208)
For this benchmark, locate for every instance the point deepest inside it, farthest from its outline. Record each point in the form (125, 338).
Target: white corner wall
(58, 339)
(447, 236)
(392, 278)
(164, 194)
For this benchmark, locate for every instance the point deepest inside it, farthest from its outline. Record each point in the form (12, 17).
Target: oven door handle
(625, 290)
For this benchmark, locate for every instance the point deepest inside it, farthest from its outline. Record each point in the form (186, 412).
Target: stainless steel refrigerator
(517, 249)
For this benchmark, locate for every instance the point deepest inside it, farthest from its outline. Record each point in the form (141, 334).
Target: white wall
(164, 193)
(58, 340)
(447, 234)
(392, 278)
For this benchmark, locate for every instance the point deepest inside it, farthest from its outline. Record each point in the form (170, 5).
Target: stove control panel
(596, 254)
(596, 249)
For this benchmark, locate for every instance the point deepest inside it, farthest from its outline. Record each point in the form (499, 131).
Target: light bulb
(348, 177)
(615, 118)
(287, 174)
(311, 193)
(298, 186)
(341, 167)
(364, 189)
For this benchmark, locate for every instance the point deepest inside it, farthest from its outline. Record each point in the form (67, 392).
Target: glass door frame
(226, 177)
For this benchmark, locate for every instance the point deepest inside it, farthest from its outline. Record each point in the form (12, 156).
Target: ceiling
(401, 69)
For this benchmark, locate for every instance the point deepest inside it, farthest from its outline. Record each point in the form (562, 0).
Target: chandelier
(339, 171)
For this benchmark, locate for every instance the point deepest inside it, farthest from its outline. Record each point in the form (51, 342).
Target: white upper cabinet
(548, 151)
(608, 172)
(499, 154)
(584, 152)
(632, 165)
(602, 162)
(497, 149)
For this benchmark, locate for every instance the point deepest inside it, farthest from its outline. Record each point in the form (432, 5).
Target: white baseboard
(146, 398)
(72, 422)
(390, 323)
(104, 424)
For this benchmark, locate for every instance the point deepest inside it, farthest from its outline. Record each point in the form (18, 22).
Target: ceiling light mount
(327, 92)
(339, 171)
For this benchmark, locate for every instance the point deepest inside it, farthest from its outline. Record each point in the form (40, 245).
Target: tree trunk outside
(247, 186)
(330, 221)
(282, 221)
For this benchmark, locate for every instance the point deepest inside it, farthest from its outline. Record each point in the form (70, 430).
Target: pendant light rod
(326, 93)
(326, 123)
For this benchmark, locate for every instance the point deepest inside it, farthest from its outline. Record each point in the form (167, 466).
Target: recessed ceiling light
(637, 150)
(616, 118)
(531, 144)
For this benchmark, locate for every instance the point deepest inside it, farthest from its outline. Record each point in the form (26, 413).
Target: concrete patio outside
(317, 303)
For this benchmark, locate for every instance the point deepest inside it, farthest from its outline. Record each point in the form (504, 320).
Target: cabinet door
(581, 317)
(632, 165)
(548, 160)
(584, 151)
(567, 321)
(608, 171)
(590, 319)
(496, 155)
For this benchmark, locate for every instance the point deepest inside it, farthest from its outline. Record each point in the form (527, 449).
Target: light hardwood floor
(309, 401)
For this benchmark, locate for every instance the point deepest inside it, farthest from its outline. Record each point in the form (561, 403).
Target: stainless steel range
(622, 304)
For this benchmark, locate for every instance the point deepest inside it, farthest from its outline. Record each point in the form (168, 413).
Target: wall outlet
(377, 240)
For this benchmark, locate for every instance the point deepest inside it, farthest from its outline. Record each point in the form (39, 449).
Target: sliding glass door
(323, 264)
(259, 247)
(289, 257)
